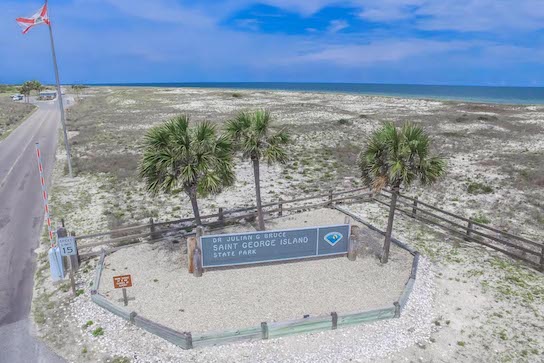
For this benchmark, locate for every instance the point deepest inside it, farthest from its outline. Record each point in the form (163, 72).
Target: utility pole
(60, 102)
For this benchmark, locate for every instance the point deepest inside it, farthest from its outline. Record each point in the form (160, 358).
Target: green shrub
(479, 188)
(344, 122)
(480, 218)
(98, 332)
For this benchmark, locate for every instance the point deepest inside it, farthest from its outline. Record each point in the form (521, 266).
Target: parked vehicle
(17, 97)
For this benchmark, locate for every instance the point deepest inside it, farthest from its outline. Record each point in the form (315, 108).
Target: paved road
(21, 222)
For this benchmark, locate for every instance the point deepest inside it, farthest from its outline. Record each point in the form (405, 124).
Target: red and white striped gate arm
(44, 195)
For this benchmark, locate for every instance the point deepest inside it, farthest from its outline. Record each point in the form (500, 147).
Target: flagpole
(59, 99)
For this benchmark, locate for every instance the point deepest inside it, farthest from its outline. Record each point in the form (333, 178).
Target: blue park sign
(268, 246)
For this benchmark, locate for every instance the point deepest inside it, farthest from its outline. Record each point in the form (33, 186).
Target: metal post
(125, 297)
(59, 100)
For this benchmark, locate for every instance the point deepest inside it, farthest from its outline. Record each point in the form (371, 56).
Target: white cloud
(189, 43)
(337, 25)
(249, 24)
(164, 11)
(378, 51)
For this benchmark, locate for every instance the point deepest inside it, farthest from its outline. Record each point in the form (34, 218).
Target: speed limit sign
(67, 246)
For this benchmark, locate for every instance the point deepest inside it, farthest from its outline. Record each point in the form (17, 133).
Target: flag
(39, 18)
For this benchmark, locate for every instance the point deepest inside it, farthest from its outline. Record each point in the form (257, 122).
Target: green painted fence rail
(98, 273)
(181, 339)
(121, 312)
(227, 336)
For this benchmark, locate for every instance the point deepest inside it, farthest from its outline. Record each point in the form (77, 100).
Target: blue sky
(483, 42)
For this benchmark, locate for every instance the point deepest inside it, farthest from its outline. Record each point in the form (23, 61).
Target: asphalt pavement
(21, 223)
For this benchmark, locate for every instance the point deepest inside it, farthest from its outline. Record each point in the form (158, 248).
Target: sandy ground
(237, 298)
(487, 307)
(12, 113)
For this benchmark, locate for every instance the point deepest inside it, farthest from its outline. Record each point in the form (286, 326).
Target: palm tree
(77, 88)
(253, 136)
(398, 157)
(195, 159)
(25, 89)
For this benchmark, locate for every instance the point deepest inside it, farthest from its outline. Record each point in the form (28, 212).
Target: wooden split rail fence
(514, 246)
(511, 245)
(183, 227)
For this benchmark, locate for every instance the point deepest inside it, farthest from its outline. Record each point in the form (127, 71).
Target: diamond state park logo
(333, 238)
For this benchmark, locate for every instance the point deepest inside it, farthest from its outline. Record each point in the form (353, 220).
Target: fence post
(334, 318)
(191, 246)
(352, 253)
(330, 196)
(152, 228)
(75, 260)
(62, 232)
(280, 208)
(189, 339)
(220, 215)
(542, 259)
(469, 229)
(414, 208)
(197, 262)
(264, 330)
(197, 257)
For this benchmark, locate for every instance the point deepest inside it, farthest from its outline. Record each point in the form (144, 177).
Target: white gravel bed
(360, 343)
(242, 297)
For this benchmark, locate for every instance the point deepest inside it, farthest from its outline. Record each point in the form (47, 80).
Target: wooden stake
(75, 259)
(72, 278)
(280, 208)
(352, 253)
(191, 245)
(197, 263)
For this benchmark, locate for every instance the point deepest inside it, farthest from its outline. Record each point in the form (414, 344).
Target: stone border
(186, 340)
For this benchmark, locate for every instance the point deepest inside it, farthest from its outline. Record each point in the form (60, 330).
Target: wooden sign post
(122, 282)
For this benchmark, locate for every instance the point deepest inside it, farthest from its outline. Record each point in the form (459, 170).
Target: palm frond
(176, 155)
(399, 156)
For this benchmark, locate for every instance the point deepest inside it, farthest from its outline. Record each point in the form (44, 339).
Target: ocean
(505, 95)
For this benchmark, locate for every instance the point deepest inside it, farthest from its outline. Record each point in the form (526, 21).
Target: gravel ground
(242, 297)
(360, 343)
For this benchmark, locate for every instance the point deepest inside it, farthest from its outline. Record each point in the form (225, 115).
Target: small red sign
(120, 282)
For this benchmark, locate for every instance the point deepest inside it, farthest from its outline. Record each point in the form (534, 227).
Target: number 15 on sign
(67, 246)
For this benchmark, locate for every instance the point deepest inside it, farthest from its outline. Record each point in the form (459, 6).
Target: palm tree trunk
(191, 192)
(387, 243)
(256, 174)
